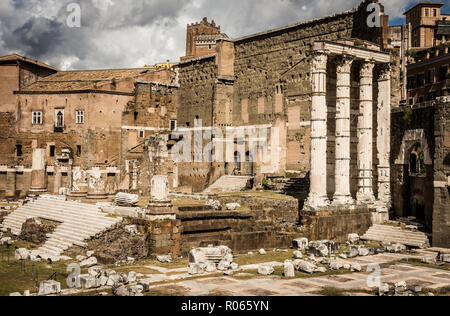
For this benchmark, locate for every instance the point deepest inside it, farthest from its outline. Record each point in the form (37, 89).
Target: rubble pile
(211, 259)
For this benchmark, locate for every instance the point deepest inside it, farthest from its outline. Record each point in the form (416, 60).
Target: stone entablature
(344, 54)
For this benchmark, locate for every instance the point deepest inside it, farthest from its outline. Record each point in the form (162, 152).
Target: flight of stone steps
(391, 234)
(78, 222)
(228, 184)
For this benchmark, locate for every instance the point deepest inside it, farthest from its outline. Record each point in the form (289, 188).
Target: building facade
(426, 21)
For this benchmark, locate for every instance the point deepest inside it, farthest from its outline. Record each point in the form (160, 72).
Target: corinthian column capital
(344, 64)
(367, 69)
(319, 60)
(385, 72)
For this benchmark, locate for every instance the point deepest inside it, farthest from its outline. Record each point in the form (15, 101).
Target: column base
(365, 198)
(97, 197)
(78, 195)
(315, 201)
(381, 213)
(343, 200)
(33, 192)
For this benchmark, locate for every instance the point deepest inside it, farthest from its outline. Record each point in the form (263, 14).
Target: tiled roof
(85, 79)
(16, 57)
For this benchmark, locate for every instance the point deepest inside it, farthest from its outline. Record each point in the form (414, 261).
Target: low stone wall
(261, 222)
(280, 212)
(336, 224)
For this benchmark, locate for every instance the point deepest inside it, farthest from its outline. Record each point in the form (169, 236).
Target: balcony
(59, 129)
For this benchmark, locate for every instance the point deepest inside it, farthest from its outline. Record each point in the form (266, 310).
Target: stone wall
(428, 125)
(336, 224)
(441, 215)
(260, 223)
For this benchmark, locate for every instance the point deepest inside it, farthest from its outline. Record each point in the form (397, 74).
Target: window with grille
(80, 117)
(37, 117)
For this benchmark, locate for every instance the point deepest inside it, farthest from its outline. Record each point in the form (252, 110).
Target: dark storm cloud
(131, 33)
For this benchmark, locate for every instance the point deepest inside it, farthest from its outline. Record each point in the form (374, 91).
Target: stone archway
(409, 140)
(415, 158)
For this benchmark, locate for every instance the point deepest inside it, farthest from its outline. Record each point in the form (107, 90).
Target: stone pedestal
(38, 183)
(160, 207)
(96, 185)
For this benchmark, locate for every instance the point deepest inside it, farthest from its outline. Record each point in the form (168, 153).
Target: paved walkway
(426, 277)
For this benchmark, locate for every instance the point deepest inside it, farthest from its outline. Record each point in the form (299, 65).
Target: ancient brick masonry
(424, 194)
(262, 79)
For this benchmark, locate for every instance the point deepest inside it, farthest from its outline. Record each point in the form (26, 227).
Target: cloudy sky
(132, 33)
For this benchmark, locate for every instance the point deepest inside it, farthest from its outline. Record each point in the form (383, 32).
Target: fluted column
(384, 135)
(365, 136)
(318, 191)
(343, 110)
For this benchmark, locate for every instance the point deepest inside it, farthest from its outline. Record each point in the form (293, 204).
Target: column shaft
(318, 191)
(365, 136)
(383, 136)
(38, 171)
(343, 112)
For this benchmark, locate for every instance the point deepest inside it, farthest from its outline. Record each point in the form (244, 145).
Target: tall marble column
(342, 195)
(38, 171)
(383, 136)
(318, 190)
(365, 136)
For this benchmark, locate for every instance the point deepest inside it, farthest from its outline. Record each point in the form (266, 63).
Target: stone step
(44, 250)
(229, 184)
(396, 234)
(78, 222)
(398, 239)
(66, 239)
(65, 209)
(52, 215)
(386, 233)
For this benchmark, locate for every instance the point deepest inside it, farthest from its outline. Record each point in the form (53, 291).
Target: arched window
(59, 119)
(417, 160)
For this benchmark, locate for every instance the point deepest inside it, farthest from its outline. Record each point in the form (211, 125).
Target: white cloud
(131, 33)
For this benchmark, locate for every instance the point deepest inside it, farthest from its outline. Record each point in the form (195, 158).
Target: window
(52, 151)
(411, 83)
(421, 99)
(59, 119)
(19, 150)
(432, 96)
(37, 117)
(80, 117)
(443, 73)
(173, 125)
(136, 114)
(420, 80)
(141, 134)
(431, 76)
(78, 150)
(411, 101)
